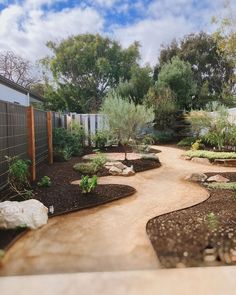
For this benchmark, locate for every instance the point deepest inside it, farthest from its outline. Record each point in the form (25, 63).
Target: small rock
(204, 161)
(128, 171)
(186, 158)
(196, 177)
(117, 164)
(217, 178)
(31, 213)
(115, 171)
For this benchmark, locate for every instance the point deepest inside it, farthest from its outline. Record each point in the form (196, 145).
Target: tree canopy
(126, 120)
(177, 75)
(86, 66)
(212, 70)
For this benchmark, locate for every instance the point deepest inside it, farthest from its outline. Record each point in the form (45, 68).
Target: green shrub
(102, 138)
(45, 181)
(99, 161)
(62, 154)
(78, 136)
(88, 184)
(212, 221)
(196, 145)
(163, 137)
(18, 176)
(222, 185)
(187, 141)
(85, 168)
(210, 155)
(68, 143)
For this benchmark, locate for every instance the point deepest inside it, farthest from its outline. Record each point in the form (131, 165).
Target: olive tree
(126, 120)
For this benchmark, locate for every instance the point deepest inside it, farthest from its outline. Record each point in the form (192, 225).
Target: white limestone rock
(115, 171)
(128, 171)
(150, 156)
(218, 178)
(116, 164)
(31, 213)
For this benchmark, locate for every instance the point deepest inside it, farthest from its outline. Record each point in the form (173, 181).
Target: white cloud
(27, 31)
(106, 3)
(152, 34)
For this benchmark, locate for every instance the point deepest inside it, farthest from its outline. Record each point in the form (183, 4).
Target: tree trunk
(125, 150)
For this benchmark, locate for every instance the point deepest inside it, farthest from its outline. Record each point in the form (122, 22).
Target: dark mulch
(70, 197)
(183, 238)
(7, 237)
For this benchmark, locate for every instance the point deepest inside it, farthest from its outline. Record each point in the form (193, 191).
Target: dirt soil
(190, 237)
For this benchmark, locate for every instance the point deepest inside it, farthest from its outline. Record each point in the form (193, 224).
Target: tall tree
(137, 87)
(86, 66)
(177, 76)
(17, 69)
(212, 71)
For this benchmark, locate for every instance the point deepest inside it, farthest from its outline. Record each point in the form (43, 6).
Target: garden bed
(196, 237)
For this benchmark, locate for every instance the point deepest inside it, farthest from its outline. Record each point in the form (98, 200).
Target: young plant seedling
(45, 181)
(212, 221)
(88, 184)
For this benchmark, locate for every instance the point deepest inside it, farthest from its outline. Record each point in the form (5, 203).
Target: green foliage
(102, 138)
(18, 176)
(88, 65)
(163, 101)
(187, 141)
(2, 254)
(210, 155)
(88, 184)
(213, 221)
(126, 120)
(218, 130)
(177, 75)
(137, 87)
(196, 145)
(163, 137)
(199, 121)
(78, 135)
(222, 185)
(45, 181)
(85, 168)
(68, 142)
(99, 161)
(212, 70)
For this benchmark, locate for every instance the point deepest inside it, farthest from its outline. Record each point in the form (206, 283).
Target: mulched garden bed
(116, 149)
(192, 237)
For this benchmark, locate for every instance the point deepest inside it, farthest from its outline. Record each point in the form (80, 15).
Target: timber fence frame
(26, 132)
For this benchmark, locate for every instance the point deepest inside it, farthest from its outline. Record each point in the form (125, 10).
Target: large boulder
(196, 177)
(30, 213)
(217, 178)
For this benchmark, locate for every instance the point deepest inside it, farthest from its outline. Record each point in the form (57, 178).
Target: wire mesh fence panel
(56, 120)
(13, 135)
(41, 135)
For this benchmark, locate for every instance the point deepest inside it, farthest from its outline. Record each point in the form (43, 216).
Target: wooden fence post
(31, 141)
(49, 131)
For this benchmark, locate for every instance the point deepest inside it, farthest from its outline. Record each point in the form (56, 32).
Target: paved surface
(111, 237)
(194, 281)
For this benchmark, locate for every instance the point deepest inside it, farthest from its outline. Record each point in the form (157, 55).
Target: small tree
(163, 102)
(126, 120)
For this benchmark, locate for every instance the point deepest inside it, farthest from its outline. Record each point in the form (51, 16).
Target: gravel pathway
(111, 237)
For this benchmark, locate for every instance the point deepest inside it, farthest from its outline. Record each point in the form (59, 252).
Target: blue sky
(26, 25)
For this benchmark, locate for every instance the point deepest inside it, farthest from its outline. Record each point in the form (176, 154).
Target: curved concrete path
(111, 237)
